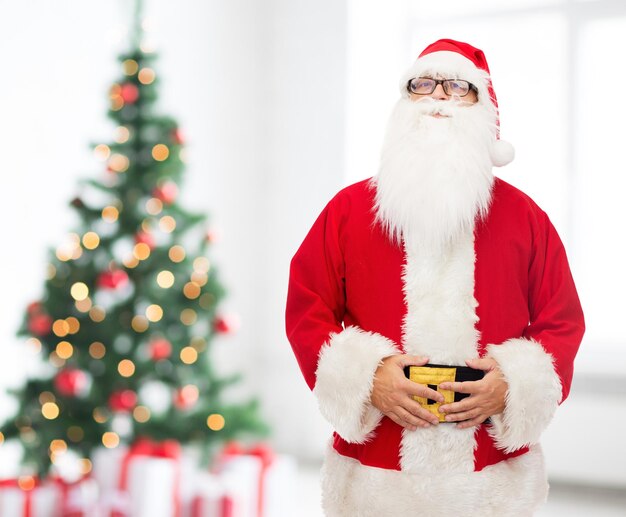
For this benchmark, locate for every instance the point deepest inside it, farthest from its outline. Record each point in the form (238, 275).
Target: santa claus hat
(457, 60)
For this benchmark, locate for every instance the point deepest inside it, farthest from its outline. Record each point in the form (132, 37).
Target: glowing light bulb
(97, 314)
(121, 135)
(79, 291)
(119, 163)
(58, 446)
(60, 328)
(83, 305)
(73, 324)
(177, 253)
(201, 265)
(167, 224)
(215, 422)
(160, 152)
(141, 414)
(110, 214)
(188, 355)
(141, 251)
(165, 279)
(154, 206)
(199, 278)
(139, 323)
(102, 152)
(50, 410)
(117, 103)
(191, 290)
(188, 317)
(26, 483)
(51, 272)
(130, 67)
(126, 368)
(100, 415)
(64, 349)
(91, 240)
(154, 313)
(97, 350)
(46, 396)
(110, 440)
(131, 262)
(146, 76)
(34, 344)
(85, 466)
(198, 343)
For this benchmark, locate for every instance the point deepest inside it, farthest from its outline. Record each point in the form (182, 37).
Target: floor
(564, 500)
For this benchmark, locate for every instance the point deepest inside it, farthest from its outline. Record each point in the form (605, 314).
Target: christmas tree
(130, 304)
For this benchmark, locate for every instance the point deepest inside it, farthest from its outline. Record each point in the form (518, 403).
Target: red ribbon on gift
(226, 506)
(64, 489)
(261, 451)
(15, 483)
(146, 447)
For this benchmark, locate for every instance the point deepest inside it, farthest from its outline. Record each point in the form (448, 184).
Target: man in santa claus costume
(433, 313)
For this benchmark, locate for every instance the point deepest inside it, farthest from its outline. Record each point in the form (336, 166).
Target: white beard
(435, 174)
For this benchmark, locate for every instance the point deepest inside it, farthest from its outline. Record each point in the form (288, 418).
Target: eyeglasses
(426, 86)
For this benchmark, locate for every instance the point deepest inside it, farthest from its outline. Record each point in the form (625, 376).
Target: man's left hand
(486, 396)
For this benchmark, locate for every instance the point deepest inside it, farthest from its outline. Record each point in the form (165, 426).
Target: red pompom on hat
(458, 60)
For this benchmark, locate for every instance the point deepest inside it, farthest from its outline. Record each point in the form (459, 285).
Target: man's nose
(440, 93)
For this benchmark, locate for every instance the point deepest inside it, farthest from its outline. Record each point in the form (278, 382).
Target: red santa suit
(504, 289)
(355, 297)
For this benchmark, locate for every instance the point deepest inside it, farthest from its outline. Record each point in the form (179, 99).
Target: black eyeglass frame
(444, 85)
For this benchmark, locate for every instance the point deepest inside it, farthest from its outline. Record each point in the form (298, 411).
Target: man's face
(440, 94)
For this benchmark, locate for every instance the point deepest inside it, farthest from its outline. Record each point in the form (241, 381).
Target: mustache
(446, 108)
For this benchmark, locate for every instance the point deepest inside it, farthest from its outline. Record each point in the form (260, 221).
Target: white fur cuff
(345, 377)
(533, 396)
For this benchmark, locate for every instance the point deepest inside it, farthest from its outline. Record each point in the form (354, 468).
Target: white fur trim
(345, 377)
(437, 448)
(452, 65)
(502, 153)
(440, 324)
(533, 395)
(512, 488)
(441, 309)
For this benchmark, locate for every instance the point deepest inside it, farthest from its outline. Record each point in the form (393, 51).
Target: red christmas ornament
(177, 136)
(212, 236)
(115, 279)
(225, 324)
(159, 348)
(71, 382)
(123, 401)
(34, 308)
(40, 324)
(129, 93)
(146, 238)
(166, 192)
(186, 397)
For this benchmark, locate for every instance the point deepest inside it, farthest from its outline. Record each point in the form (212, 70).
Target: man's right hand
(392, 393)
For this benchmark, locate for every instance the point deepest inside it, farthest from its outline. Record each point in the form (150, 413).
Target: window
(557, 73)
